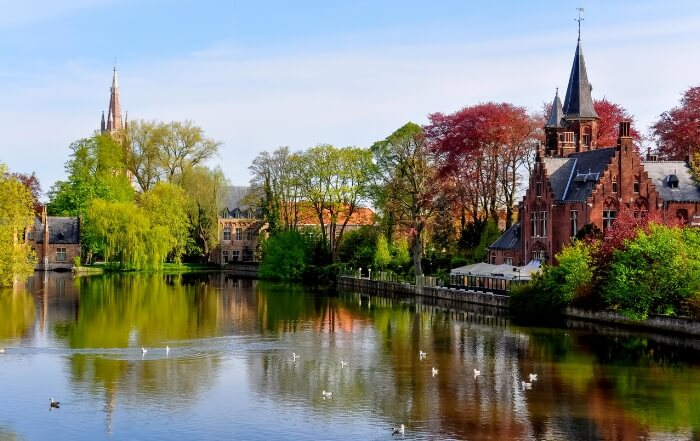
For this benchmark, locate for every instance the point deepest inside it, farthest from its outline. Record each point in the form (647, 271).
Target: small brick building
(576, 182)
(55, 240)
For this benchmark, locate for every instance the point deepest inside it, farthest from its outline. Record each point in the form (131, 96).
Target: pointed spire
(556, 115)
(578, 102)
(102, 123)
(114, 114)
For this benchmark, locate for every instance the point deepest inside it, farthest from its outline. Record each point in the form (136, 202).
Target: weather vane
(579, 20)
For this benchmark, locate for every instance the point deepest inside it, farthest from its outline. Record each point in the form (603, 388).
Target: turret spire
(556, 115)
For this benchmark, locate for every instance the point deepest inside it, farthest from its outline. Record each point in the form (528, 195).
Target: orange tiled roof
(360, 216)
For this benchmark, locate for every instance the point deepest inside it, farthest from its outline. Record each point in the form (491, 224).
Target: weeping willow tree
(16, 214)
(126, 235)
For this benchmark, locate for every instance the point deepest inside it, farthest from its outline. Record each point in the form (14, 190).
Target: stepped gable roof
(62, 230)
(673, 180)
(578, 102)
(509, 240)
(573, 178)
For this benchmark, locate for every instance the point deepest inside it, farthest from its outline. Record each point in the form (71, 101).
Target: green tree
(17, 214)
(124, 234)
(96, 169)
(405, 183)
(382, 254)
(654, 272)
(334, 181)
(184, 146)
(166, 206)
(358, 247)
(285, 256)
(145, 140)
(204, 190)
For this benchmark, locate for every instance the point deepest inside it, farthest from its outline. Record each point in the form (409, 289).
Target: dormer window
(673, 181)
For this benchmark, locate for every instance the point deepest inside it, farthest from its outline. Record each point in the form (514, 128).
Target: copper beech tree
(677, 131)
(485, 151)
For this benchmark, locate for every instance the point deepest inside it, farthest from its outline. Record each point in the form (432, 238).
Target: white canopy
(503, 270)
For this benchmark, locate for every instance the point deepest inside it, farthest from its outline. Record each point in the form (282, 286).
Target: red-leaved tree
(677, 132)
(484, 149)
(34, 187)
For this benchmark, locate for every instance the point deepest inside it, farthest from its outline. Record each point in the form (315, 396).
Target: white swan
(143, 350)
(167, 349)
(476, 373)
(533, 377)
(343, 363)
(294, 356)
(398, 430)
(526, 385)
(435, 371)
(327, 394)
(2, 350)
(422, 354)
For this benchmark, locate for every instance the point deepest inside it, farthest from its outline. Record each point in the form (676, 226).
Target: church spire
(114, 113)
(578, 103)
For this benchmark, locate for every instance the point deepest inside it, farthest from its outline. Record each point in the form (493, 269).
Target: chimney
(624, 141)
(624, 129)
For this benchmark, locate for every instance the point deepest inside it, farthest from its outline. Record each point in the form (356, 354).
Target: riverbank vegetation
(641, 266)
(16, 214)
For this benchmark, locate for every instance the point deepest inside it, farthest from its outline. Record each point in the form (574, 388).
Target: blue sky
(258, 75)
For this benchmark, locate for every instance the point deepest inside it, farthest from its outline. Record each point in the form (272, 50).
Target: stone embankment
(382, 288)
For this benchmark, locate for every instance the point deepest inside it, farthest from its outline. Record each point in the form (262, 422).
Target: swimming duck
(54, 404)
(398, 430)
(327, 394)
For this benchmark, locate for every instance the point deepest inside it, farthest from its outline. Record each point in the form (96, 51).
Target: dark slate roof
(573, 178)
(509, 240)
(556, 115)
(661, 174)
(578, 102)
(232, 196)
(62, 230)
(559, 171)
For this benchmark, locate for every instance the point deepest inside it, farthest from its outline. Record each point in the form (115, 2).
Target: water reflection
(231, 346)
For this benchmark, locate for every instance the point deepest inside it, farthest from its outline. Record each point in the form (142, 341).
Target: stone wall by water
(366, 286)
(381, 288)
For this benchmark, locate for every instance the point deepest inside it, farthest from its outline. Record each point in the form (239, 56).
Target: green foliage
(490, 234)
(654, 272)
(125, 235)
(203, 188)
(166, 205)
(17, 214)
(400, 256)
(574, 272)
(358, 247)
(285, 256)
(382, 254)
(96, 169)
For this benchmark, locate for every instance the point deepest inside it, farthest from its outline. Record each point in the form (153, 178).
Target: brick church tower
(114, 113)
(573, 127)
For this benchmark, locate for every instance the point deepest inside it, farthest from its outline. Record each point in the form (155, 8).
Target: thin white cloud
(354, 96)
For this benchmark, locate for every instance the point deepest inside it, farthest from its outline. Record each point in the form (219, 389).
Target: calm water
(230, 373)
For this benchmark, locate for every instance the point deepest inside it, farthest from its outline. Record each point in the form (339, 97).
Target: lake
(219, 364)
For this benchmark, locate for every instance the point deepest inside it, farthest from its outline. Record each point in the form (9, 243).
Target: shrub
(284, 256)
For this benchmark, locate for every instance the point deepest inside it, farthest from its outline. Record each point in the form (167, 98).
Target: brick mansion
(576, 182)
